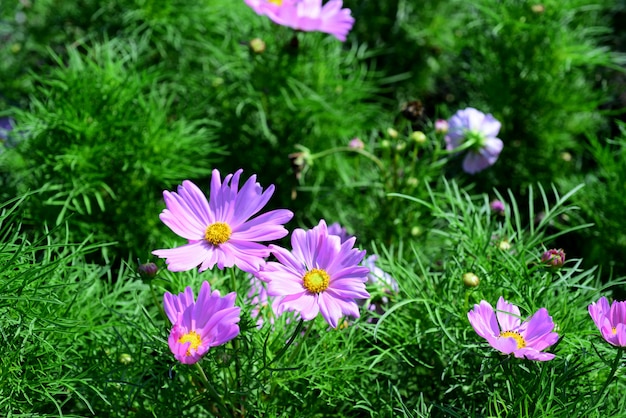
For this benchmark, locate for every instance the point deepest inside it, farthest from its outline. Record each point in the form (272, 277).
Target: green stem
(364, 153)
(284, 349)
(156, 301)
(609, 379)
(217, 398)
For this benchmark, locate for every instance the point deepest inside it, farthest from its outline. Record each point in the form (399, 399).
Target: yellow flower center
(276, 2)
(191, 337)
(218, 233)
(614, 330)
(521, 343)
(316, 280)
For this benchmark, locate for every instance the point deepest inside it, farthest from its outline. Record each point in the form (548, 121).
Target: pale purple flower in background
(356, 143)
(264, 307)
(320, 274)
(336, 229)
(379, 277)
(441, 126)
(506, 332)
(198, 325)
(307, 15)
(610, 320)
(220, 230)
(6, 126)
(471, 129)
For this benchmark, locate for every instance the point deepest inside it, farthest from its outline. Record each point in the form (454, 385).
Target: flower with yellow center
(224, 230)
(320, 275)
(316, 280)
(198, 325)
(506, 332)
(218, 233)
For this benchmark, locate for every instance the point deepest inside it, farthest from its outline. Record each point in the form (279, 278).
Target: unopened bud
(554, 258)
(419, 137)
(257, 45)
(392, 132)
(148, 271)
(470, 280)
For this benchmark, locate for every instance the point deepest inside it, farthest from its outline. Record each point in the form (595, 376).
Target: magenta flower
(504, 330)
(199, 325)
(473, 130)
(220, 231)
(307, 15)
(320, 274)
(610, 320)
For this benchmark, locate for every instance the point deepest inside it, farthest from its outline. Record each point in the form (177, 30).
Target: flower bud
(497, 207)
(257, 45)
(441, 126)
(356, 143)
(392, 132)
(554, 258)
(419, 137)
(147, 271)
(470, 279)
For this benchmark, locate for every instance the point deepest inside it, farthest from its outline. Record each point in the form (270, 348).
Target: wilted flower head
(610, 320)
(504, 330)
(356, 143)
(473, 130)
(320, 274)
(554, 258)
(220, 230)
(199, 325)
(307, 15)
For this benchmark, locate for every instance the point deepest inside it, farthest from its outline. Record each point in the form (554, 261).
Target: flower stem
(609, 379)
(284, 349)
(217, 398)
(348, 149)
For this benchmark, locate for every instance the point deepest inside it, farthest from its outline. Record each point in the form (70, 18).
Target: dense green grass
(115, 101)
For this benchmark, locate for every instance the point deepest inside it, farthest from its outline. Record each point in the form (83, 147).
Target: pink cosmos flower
(471, 128)
(199, 325)
(320, 274)
(307, 15)
(220, 230)
(610, 320)
(504, 330)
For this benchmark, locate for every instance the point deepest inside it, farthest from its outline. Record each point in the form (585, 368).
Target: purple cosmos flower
(610, 320)
(471, 128)
(554, 258)
(220, 231)
(505, 331)
(336, 229)
(320, 274)
(199, 325)
(307, 15)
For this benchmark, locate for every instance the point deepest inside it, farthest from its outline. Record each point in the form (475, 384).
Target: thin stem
(609, 379)
(282, 351)
(156, 300)
(217, 398)
(348, 149)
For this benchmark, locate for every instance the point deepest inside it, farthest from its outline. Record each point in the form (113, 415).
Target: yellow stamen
(191, 337)
(521, 343)
(276, 2)
(218, 233)
(316, 280)
(614, 330)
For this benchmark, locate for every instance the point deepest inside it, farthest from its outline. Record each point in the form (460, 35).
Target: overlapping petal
(317, 249)
(507, 333)
(189, 214)
(610, 320)
(198, 325)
